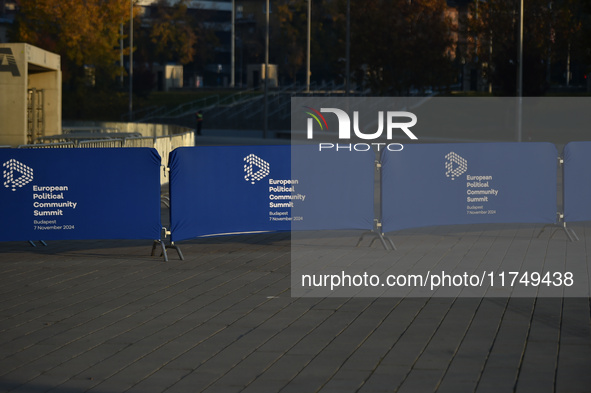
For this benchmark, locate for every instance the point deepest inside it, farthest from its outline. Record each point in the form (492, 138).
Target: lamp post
(266, 109)
(121, 58)
(233, 45)
(308, 45)
(348, 50)
(131, 61)
(520, 73)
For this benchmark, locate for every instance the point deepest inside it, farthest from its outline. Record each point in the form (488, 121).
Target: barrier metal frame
(376, 232)
(165, 200)
(162, 244)
(385, 240)
(560, 223)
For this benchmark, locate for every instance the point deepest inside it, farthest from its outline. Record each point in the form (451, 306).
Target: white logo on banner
(254, 161)
(455, 165)
(16, 174)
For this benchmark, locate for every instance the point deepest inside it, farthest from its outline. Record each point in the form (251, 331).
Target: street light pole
(233, 45)
(131, 61)
(308, 45)
(266, 109)
(348, 50)
(121, 58)
(520, 74)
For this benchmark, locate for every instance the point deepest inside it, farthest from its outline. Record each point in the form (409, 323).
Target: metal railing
(227, 108)
(89, 130)
(183, 109)
(139, 142)
(163, 144)
(147, 112)
(57, 145)
(101, 143)
(205, 103)
(180, 140)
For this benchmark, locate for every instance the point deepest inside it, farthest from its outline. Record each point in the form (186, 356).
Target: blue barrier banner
(59, 194)
(338, 187)
(577, 181)
(217, 190)
(447, 184)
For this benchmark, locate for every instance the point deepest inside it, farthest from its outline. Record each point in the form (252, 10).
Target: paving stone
(104, 316)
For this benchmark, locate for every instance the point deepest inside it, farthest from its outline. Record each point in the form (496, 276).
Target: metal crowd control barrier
(48, 145)
(268, 188)
(218, 190)
(576, 190)
(89, 129)
(139, 142)
(469, 183)
(72, 194)
(422, 185)
(102, 143)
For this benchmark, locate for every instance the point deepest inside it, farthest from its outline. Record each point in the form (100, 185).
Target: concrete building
(256, 76)
(31, 99)
(169, 76)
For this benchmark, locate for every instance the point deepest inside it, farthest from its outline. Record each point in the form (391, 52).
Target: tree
(81, 32)
(174, 33)
(398, 45)
(291, 42)
(171, 34)
(552, 33)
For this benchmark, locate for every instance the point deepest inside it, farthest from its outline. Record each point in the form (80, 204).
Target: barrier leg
(178, 250)
(32, 243)
(165, 233)
(376, 236)
(570, 233)
(163, 253)
(391, 243)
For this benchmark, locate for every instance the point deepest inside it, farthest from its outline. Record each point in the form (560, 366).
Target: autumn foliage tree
(81, 32)
(172, 35)
(291, 39)
(399, 45)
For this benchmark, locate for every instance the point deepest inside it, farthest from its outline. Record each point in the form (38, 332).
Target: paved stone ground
(105, 316)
